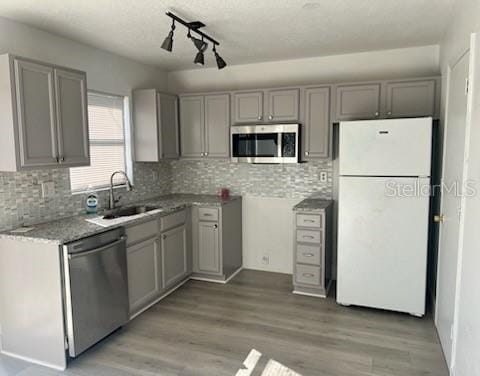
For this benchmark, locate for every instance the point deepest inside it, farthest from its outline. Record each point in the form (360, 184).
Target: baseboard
(308, 294)
(34, 361)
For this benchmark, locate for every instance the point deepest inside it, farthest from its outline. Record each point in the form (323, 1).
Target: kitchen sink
(129, 211)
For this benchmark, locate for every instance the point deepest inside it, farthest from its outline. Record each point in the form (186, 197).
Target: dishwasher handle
(97, 250)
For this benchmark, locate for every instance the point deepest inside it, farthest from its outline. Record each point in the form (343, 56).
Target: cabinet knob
(389, 113)
(205, 154)
(259, 118)
(377, 113)
(164, 237)
(270, 117)
(62, 159)
(201, 154)
(215, 226)
(57, 158)
(306, 153)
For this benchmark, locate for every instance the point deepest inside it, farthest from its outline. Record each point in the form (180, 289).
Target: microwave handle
(279, 144)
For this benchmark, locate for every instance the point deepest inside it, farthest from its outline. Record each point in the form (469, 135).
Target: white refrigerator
(383, 210)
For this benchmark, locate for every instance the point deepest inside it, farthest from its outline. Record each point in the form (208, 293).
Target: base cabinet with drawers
(217, 241)
(158, 258)
(312, 251)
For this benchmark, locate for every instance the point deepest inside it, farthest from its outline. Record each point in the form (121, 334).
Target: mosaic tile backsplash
(288, 181)
(21, 201)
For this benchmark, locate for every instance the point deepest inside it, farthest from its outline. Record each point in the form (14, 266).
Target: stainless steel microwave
(266, 143)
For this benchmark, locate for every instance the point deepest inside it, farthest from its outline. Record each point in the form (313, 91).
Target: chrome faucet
(129, 185)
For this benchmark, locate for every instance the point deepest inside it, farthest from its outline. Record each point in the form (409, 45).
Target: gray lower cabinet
(217, 241)
(248, 107)
(205, 126)
(43, 111)
(174, 253)
(410, 98)
(155, 120)
(358, 102)
(312, 252)
(318, 127)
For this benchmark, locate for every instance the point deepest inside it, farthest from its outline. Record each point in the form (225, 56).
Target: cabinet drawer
(172, 220)
(309, 220)
(208, 214)
(309, 236)
(142, 231)
(308, 254)
(307, 275)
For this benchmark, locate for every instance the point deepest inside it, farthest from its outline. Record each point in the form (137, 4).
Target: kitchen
(210, 234)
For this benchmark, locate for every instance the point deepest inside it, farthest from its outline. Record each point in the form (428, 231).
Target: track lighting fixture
(200, 44)
(168, 42)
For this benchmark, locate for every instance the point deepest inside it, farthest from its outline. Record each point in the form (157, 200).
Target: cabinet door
(217, 126)
(208, 248)
(411, 99)
(174, 253)
(283, 105)
(317, 130)
(72, 118)
(38, 143)
(168, 108)
(248, 107)
(144, 276)
(192, 126)
(358, 102)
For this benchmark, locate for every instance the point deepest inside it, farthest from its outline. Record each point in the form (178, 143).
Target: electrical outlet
(323, 177)
(265, 260)
(48, 189)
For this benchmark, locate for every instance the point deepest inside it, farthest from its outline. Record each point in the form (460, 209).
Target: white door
(394, 147)
(382, 242)
(453, 162)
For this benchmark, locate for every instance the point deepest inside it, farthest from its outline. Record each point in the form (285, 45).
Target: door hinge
(66, 343)
(467, 85)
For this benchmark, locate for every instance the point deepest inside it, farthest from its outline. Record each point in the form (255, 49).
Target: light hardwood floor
(209, 329)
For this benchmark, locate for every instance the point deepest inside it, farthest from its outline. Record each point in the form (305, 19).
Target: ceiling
(249, 31)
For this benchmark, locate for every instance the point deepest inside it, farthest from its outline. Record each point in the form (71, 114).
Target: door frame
(473, 49)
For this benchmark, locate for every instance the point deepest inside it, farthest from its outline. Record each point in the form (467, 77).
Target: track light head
(199, 44)
(199, 58)
(220, 62)
(167, 44)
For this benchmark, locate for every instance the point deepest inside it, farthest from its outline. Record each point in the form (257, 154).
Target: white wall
(105, 71)
(466, 361)
(398, 63)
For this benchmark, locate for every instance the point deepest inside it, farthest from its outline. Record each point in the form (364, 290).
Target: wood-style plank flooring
(209, 329)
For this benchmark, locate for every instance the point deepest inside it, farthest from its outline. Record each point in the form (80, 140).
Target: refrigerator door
(382, 242)
(394, 147)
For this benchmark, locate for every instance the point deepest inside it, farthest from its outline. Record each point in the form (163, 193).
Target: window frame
(126, 144)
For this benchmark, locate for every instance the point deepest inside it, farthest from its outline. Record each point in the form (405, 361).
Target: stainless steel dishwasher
(96, 288)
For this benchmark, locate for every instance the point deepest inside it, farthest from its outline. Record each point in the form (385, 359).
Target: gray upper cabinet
(155, 117)
(217, 130)
(283, 105)
(410, 99)
(72, 117)
(205, 126)
(248, 107)
(317, 126)
(192, 126)
(174, 252)
(43, 111)
(208, 248)
(358, 102)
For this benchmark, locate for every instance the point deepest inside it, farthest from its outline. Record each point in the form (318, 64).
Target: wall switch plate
(323, 177)
(48, 189)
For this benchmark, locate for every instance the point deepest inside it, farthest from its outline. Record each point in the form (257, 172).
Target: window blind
(107, 144)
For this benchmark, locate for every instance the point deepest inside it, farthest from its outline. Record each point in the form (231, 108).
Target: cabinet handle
(306, 153)
(270, 117)
(309, 220)
(215, 226)
(308, 275)
(308, 237)
(308, 254)
(207, 214)
(377, 113)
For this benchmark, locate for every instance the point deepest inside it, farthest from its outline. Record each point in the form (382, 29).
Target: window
(108, 149)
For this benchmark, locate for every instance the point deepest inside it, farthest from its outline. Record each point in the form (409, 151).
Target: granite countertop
(66, 230)
(311, 204)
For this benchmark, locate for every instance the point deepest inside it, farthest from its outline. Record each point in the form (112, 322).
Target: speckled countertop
(311, 204)
(66, 230)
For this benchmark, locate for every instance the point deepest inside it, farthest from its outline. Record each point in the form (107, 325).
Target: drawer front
(309, 236)
(142, 231)
(172, 220)
(308, 275)
(309, 220)
(309, 254)
(208, 214)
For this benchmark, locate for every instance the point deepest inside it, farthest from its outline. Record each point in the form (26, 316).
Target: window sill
(97, 190)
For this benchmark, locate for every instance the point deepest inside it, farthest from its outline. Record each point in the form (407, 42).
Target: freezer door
(394, 147)
(382, 243)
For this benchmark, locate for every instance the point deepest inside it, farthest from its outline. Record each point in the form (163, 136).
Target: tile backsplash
(21, 201)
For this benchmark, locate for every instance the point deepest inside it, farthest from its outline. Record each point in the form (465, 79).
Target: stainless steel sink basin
(129, 211)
